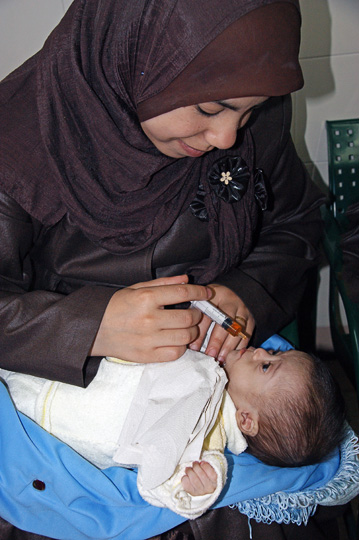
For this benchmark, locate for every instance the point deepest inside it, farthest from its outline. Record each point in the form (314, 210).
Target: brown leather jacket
(55, 283)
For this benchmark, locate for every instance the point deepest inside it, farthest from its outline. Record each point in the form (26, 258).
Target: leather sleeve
(272, 279)
(30, 341)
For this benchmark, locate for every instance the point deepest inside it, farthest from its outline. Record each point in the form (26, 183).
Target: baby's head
(289, 407)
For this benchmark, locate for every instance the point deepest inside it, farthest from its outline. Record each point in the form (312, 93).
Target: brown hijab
(71, 141)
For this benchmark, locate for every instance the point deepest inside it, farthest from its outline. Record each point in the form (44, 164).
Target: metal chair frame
(343, 168)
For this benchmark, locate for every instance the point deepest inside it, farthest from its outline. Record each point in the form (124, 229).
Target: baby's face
(259, 372)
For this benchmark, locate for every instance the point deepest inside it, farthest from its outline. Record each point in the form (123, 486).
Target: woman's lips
(192, 152)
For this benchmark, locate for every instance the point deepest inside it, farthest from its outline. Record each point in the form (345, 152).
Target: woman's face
(194, 130)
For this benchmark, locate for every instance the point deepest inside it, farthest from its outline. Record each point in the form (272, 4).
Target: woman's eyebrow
(227, 105)
(234, 108)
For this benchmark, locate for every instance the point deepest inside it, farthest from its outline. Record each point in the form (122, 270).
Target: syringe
(219, 317)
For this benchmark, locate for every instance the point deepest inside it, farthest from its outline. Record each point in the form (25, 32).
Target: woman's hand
(136, 327)
(221, 342)
(200, 479)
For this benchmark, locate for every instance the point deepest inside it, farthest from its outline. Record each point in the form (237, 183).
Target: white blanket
(151, 416)
(172, 411)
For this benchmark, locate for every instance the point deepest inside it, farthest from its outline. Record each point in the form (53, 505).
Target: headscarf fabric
(71, 141)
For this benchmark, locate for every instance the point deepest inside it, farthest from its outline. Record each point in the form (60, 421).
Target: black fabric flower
(198, 207)
(260, 190)
(229, 177)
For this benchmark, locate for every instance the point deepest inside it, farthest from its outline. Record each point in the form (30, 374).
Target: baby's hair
(301, 426)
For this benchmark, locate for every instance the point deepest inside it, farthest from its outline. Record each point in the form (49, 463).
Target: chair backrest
(343, 166)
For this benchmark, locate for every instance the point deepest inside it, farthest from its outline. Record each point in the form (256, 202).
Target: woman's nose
(222, 135)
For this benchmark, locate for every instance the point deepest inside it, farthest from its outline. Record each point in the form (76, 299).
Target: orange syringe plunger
(232, 327)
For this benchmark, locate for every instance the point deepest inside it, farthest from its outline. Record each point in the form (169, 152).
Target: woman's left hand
(221, 342)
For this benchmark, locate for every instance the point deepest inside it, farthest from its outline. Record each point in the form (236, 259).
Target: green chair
(290, 333)
(343, 160)
(343, 167)
(343, 164)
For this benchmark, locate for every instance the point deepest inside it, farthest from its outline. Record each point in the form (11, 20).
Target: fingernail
(194, 347)
(211, 352)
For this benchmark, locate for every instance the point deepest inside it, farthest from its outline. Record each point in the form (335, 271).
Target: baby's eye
(266, 366)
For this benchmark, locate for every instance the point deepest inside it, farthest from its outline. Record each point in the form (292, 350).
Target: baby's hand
(200, 479)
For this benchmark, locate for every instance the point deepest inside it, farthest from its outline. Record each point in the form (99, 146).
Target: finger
(187, 486)
(210, 472)
(193, 477)
(230, 343)
(248, 331)
(203, 328)
(176, 337)
(168, 295)
(195, 491)
(200, 479)
(179, 318)
(218, 339)
(172, 280)
(172, 342)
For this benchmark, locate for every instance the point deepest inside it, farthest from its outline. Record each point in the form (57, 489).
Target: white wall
(329, 57)
(24, 26)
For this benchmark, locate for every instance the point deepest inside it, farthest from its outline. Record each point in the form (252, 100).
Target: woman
(132, 157)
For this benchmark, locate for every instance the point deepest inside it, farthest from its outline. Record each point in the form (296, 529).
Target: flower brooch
(229, 178)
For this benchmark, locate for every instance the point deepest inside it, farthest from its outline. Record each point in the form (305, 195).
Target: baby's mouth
(239, 353)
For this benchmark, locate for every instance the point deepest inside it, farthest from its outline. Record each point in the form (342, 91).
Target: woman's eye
(205, 113)
(266, 366)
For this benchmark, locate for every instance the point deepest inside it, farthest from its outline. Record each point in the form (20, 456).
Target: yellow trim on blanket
(118, 360)
(216, 438)
(42, 423)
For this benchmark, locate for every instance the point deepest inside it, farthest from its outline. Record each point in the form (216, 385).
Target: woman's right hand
(137, 328)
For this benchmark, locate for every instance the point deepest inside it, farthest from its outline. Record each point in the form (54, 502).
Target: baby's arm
(174, 495)
(200, 479)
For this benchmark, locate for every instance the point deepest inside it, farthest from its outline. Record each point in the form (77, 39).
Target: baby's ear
(247, 422)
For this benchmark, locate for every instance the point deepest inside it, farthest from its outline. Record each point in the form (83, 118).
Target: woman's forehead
(240, 58)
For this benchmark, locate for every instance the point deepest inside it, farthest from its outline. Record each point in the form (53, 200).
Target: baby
(288, 406)
(173, 420)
